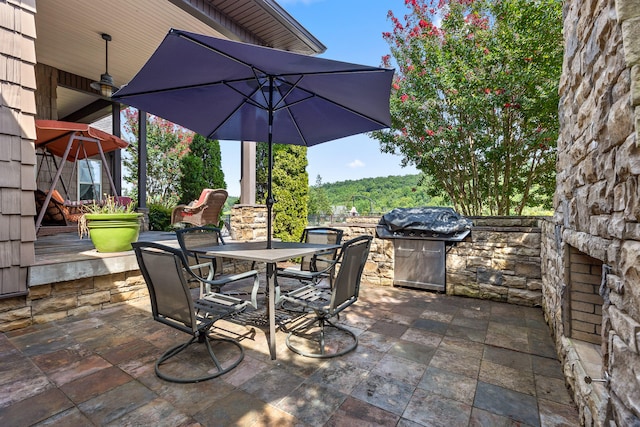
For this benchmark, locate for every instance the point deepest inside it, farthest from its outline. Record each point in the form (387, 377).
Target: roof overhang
(68, 36)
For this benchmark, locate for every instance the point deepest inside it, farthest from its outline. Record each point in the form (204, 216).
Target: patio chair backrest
(352, 259)
(215, 200)
(324, 236)
(198, 237)
(163, 270)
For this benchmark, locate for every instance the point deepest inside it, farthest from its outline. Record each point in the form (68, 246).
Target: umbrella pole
(270, 166)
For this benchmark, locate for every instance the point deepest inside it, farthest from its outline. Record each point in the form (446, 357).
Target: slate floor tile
(434, 326)
(413, 350)
(237, 409)
(449, 385)
(553, 414)
(456, 363)
(341, 376)
(117, 402)
(549, 367)
(553, 389)
(430, 409)
(508, 403)
(376, 341)
(472, 334)
(35, 409)
(388, 394)
(507, 377)
(400, 369)
(70, 418)
(354, 412)
(482, 418)
(95, 384)
(188, 398)
(388, 328)
(507, 357)
(273, 385)
(462, 347)
(312, 403)
(422, 336)
(157, 413)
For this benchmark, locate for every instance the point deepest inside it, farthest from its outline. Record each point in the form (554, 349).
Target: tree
(474, 103)
(200, 168)
(166, 144)
(318, 199)
(290, 186)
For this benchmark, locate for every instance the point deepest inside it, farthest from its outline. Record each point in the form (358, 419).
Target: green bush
(159, 217)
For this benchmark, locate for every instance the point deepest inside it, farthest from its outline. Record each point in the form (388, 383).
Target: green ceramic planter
(113, 232)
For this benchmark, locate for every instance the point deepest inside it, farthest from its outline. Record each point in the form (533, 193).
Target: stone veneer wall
(500, 260)
(248, 222)
(597, 199)
(45, 303)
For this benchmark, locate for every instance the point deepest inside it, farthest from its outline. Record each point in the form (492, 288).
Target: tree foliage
(318, 200)
(474, 102)
(166, 144)
(290, 186)
(200, 168)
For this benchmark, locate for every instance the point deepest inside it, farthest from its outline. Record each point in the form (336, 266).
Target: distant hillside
(381, 194)
(378, 195)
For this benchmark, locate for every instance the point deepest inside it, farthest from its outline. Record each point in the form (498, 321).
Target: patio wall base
(499, 261)
(48, 302)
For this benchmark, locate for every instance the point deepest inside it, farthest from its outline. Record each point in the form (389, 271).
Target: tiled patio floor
(424, 359)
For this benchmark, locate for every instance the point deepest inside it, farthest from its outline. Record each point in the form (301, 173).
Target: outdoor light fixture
(105, 86)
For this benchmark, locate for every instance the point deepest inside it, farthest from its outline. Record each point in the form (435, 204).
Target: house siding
(17, 133)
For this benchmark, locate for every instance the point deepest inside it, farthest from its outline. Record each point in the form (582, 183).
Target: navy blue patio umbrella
(228, 90)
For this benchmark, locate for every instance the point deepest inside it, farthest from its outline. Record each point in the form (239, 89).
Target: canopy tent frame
(79, 134)
(66, 186)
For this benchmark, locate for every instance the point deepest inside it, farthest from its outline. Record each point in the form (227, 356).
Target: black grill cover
(431, 221)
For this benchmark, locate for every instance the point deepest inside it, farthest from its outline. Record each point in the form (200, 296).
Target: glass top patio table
(258, 252)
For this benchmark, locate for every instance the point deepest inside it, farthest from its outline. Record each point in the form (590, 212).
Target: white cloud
(356, 164)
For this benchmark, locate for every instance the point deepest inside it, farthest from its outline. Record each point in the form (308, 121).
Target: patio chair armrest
(330, 261)
(295, 273)
(226, 279)
(204, 287)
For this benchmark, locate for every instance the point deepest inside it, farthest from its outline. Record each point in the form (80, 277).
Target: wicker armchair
(206, 210)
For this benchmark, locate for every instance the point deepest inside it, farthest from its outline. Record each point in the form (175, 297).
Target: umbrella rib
(170, 89)
(179, 33)
(311, 94)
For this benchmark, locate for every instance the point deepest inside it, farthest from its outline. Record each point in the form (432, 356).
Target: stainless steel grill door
(420, 264)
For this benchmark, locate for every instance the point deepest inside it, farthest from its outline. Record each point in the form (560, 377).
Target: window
(89, 179)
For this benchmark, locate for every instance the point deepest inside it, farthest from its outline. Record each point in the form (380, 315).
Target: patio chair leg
(219, 369)
(320, 339)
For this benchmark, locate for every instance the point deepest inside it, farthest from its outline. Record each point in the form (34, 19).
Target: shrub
(159, 217)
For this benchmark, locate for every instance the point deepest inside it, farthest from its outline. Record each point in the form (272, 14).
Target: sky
(352, 32)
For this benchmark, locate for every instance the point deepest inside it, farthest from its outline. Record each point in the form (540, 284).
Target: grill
(421, 239)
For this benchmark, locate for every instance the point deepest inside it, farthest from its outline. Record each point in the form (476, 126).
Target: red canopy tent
(73, 142)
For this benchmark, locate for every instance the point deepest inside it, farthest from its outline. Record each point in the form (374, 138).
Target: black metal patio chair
(312, 269)
(319, 336)
(206, 267)
(165, 271)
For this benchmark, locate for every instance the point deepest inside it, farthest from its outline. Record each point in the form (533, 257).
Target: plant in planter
(111, 226)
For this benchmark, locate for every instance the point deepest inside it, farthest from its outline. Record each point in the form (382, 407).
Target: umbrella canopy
(55, 137)
(234, 91)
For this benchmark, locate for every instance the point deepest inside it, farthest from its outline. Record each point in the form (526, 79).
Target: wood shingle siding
(17, 155)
